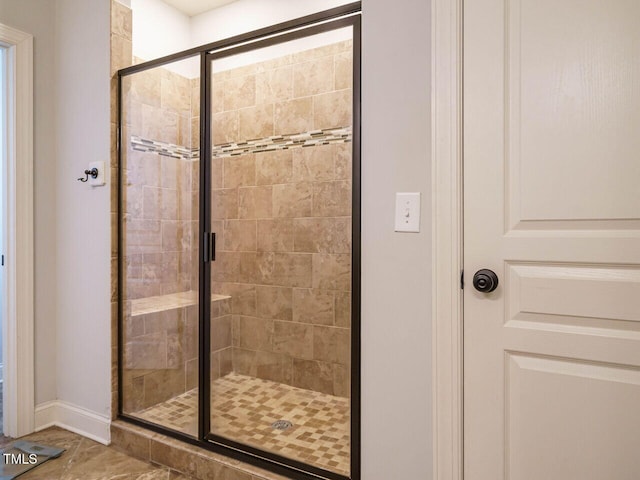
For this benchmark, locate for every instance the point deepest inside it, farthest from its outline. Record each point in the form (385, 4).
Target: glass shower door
(281, 209)
(159, 286)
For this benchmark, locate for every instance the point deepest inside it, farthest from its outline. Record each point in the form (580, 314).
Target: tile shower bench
(161, 346)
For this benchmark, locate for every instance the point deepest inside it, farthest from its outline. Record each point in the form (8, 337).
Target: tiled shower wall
(161, 195)
(283, 218)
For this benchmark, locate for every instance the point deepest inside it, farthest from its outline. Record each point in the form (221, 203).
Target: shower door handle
(205, 247)
(209, 247)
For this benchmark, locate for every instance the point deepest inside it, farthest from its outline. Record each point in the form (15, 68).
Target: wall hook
(93, 173)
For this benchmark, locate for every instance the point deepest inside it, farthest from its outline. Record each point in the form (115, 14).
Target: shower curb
(182, 457)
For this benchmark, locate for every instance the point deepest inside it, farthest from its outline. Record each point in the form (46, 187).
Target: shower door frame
(335, 18)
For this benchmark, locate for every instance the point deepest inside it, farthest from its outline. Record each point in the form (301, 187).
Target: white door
(552, 206)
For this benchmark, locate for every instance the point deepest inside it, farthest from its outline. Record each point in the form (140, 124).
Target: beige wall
(396, 267)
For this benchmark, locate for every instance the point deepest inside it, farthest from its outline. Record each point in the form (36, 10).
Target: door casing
(447, 315)
(18, 282)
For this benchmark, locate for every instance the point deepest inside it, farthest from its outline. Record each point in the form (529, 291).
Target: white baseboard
(75, 419)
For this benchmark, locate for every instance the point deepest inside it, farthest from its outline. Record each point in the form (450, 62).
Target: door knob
(485, 281)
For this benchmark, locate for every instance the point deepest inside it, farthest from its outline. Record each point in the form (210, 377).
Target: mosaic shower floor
(244, 409)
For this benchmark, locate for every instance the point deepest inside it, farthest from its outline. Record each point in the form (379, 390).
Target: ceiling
(196, 7)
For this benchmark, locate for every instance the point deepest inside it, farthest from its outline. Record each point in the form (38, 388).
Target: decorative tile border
(277, 142)
(166, 149)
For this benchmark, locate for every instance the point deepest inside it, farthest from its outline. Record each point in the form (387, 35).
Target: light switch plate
(408, 212)
(101, 179)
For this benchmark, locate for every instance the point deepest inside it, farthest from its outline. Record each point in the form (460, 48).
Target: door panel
(552, 205)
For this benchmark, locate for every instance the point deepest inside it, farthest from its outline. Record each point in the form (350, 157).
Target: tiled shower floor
(243, 409)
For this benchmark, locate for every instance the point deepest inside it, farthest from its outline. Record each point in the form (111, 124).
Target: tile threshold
(188, 459)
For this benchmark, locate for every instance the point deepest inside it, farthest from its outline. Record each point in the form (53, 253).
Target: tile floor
(244, 408)
(88, 460)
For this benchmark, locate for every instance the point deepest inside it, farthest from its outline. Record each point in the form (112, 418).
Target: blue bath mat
(22, 456)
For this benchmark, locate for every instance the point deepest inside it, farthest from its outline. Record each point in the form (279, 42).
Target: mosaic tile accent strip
(283, 142)
(268, 144)
(245, 408)
(161, 148)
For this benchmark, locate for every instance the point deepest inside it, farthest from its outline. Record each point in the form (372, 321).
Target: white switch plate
(408, 212)
(101, 178)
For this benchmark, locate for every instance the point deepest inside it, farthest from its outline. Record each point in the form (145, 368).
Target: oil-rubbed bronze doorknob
(485, 281)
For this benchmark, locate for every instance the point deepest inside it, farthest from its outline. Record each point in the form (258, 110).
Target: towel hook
(93, 173)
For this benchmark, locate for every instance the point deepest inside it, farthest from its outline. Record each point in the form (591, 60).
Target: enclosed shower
(239, 245)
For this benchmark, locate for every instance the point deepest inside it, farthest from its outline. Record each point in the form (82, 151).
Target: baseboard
(75, 419)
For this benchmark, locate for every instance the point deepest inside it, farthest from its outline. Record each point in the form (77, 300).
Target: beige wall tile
(343, 160)
(285, 269)
(295, 339)
(322, 234)
(175, 93)
(341, 381)
(169, 204)
(313, 164)
(344, 70)
(255, 202)
(275, 235)
(142, 168)
(274, 302)
(236, 267)
(332, 272)
(169, 168)
(151, 202)
(313, 77)
(226, 361)
(184, 131)
(293, 116)
(224, 203)
(239, 92)
(133, 201)
(224, 127)
(243, 296)
(274, 167)
(195, 97)
(275, 85)
(256, 122)
(313, 375)
(158, 124)
(239, 171)
(217, 96)
(220, 332)
(190, 332)
(191, 374)
(313, 306)
(120, 53)
(292, 200)
(217, 172)
(320, 52)
(172, 236)
(175, 358)
(146, 351)
(240, 235)
(253, 333)
(343, 309)
(332, 109)
(267, 365)
(195, 132)
(331, 344)
(121, 20)
(142, 236)
(145, 86)
(332, 199)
